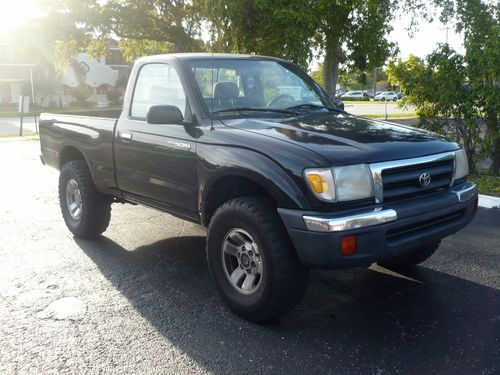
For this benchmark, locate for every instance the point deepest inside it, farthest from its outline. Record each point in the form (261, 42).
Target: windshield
(264, 86)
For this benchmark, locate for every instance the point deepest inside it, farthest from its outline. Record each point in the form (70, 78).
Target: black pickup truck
(253, 149)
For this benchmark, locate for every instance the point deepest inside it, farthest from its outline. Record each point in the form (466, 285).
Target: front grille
(404, 181)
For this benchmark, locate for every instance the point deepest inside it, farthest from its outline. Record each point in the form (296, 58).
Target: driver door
(156, 163)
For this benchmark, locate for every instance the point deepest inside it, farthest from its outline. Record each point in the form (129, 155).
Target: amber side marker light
(348, 245)
(317, 183)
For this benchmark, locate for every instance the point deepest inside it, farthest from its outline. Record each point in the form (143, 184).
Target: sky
(425, 40)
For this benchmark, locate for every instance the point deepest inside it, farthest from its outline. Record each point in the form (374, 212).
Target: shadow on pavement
(362, 320)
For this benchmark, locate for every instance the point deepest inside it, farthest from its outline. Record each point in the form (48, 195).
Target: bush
(81, 94)
(114, 96)
(446, 96)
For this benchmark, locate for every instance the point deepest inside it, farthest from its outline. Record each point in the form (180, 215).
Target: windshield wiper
(248, 109)
(313, 106)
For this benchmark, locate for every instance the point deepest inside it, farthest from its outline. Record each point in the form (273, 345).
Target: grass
(59, 110)
(367, 102)
(29, 134)
(487, 184)
(391, 115)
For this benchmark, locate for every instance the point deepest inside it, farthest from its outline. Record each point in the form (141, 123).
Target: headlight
(341, 183)
(353, 182)
(461, 164)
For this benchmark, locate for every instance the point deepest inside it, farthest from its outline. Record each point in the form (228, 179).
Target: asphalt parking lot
(139, 300)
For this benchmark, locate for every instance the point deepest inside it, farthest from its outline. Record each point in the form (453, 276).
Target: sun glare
(16, 12)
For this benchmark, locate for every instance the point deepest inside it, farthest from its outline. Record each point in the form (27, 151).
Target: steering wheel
(279, 98)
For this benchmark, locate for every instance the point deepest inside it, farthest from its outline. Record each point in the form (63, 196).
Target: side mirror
(340, 104)
(164, 114)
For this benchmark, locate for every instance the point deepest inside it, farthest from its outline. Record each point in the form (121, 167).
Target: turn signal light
(348, 245)
(317, 183)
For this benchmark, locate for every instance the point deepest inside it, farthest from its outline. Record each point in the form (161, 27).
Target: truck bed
(87, 133)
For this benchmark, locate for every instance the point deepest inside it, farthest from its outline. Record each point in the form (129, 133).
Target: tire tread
(96, 213)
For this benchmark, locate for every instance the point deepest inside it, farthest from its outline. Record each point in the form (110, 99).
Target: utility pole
(447, 30)
(22, 115)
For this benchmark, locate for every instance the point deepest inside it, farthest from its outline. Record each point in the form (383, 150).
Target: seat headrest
(226, 90)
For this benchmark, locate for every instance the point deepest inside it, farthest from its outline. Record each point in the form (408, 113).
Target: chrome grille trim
(378, 168)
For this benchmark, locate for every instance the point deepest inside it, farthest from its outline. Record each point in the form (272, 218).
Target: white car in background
(355, 95)
(386, 95)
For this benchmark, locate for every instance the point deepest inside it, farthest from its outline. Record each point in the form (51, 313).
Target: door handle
(125, 137)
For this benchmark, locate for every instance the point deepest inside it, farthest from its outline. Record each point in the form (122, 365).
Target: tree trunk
(331, 65)
(495, 166)
(492, 125)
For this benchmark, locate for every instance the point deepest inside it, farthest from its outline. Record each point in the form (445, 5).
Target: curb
(487, 201)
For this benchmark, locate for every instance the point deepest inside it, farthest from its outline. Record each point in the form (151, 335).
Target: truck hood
(344, 139)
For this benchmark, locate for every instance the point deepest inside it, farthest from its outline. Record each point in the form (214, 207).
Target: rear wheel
(252, 260)
(410, 259)
(86, 211)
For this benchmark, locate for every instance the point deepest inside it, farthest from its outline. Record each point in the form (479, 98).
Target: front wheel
(252, 260)
(85, 211)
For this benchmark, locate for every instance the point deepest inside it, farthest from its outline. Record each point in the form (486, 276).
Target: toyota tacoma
(254, 150)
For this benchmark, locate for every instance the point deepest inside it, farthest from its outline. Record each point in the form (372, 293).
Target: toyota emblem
(424, 179)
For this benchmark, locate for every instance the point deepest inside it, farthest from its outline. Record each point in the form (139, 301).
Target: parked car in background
(355, 95)
(386, 95)
(339, 93)
(400, 95)
(371, 93)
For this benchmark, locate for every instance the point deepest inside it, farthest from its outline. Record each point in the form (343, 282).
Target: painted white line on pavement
(488, 201)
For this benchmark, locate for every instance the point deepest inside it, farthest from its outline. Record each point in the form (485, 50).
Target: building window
(5, 96)
(102, 90)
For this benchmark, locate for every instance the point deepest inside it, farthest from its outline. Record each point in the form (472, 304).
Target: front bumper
(382, 231)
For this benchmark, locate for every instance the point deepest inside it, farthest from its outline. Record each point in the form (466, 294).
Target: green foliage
(281, 28)
(463, 89)
(318, 75)
(82, 93)
(64, 54)
(489, 185)
(174, 22)
(132, 49)
(114, 96)
(440, 89)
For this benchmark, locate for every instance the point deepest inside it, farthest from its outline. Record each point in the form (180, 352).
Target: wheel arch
(237, 183)
(69, 153)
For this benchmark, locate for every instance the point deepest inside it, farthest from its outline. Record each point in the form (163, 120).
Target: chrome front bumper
(375, 217)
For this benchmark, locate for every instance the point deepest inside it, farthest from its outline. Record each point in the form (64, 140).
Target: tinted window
(251, 83)
(157, 84)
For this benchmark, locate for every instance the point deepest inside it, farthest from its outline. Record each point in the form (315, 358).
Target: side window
(157, 84)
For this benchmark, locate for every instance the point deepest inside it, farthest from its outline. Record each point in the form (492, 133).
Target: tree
(141, 27)
(436, 89)
(468, 85)
(281, 28)
(480, 23)
(359, 25)
(295, 29)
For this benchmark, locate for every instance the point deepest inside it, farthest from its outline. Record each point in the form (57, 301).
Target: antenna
(212, 39)
(447, 29)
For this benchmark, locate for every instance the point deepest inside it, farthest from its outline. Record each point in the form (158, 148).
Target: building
(14, 76)
(100, 75)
